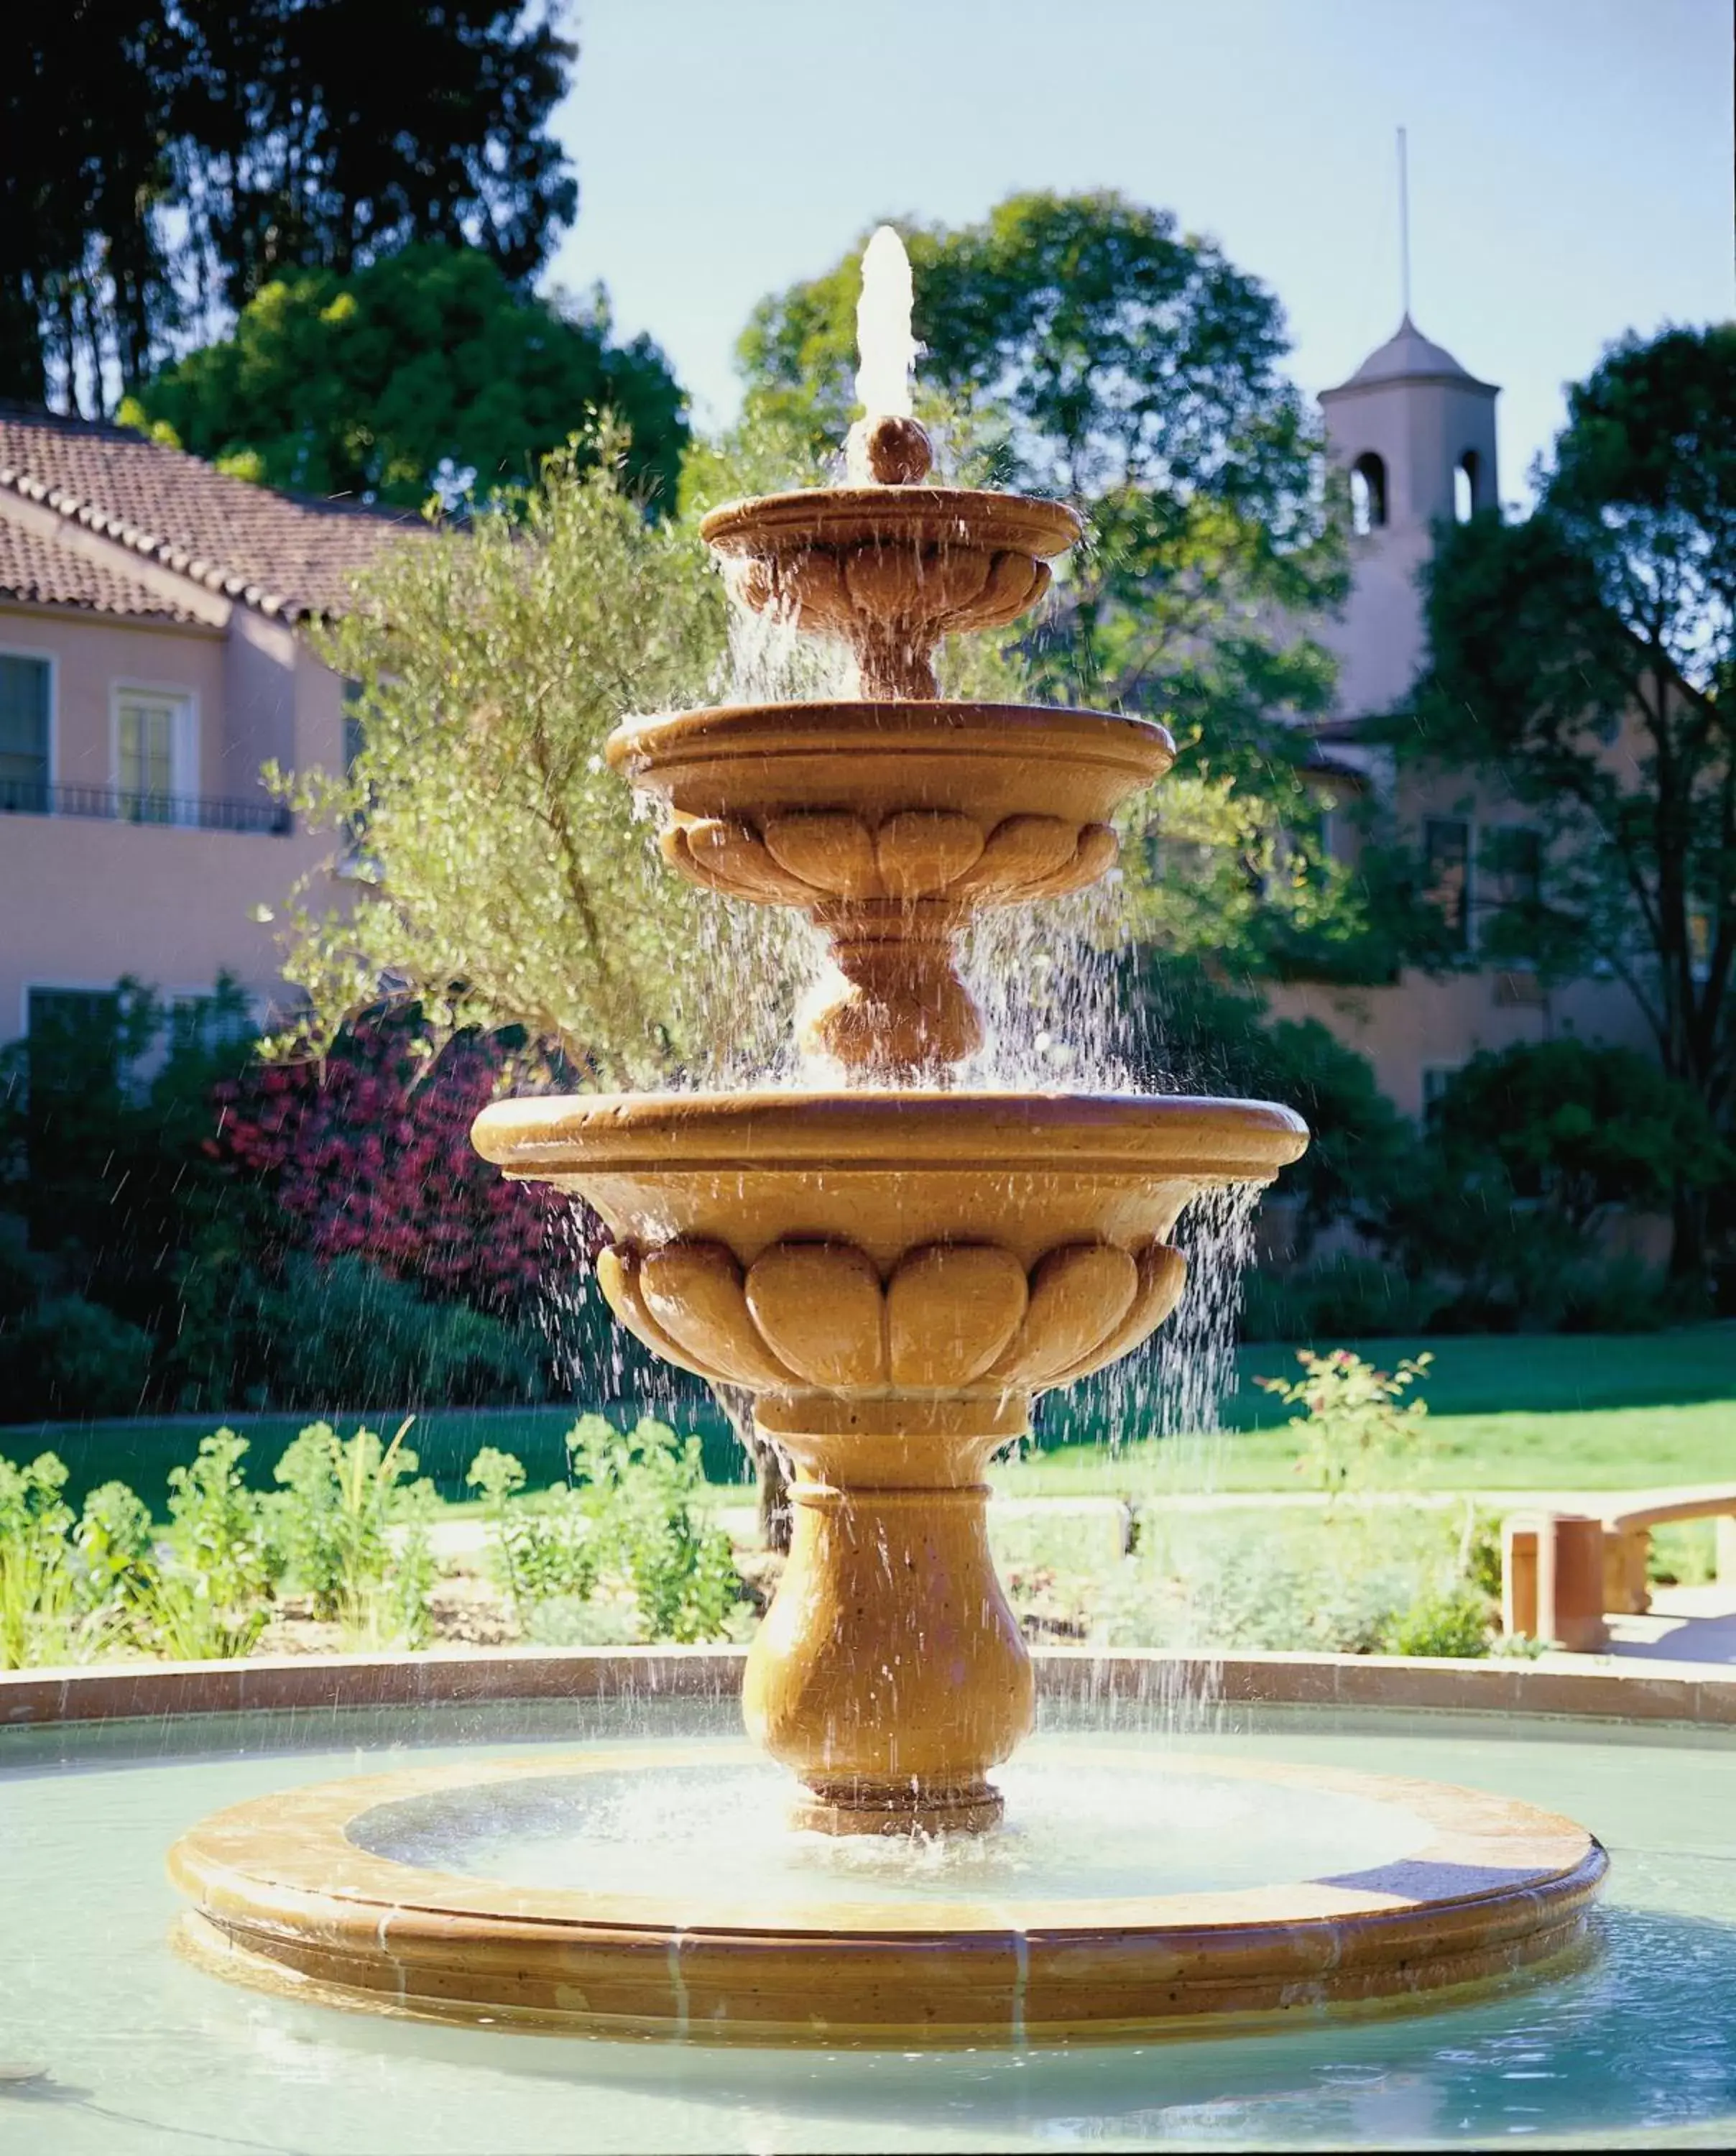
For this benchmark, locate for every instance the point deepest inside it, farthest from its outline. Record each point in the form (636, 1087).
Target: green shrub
(1345, 1297)
(345, 1331)
(113, 1541)
(212, 1598)
(68, 1359)
(645, 1492)
(352, 1528)
(66, 1586)
(175, 1613)
(636, 1518)
(40, 1607)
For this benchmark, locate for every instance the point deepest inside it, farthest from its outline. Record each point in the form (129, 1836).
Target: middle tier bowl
(970, 804)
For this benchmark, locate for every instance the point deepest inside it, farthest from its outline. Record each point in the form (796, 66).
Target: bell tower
(1416, 435)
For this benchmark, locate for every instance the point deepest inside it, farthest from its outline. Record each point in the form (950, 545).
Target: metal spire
(1404, 222)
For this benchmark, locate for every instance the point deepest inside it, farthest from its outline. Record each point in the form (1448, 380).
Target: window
(154, 757)
(1464, 487)
(1521, 867)
(24, 724)
(1367, 494)
(1436, 1077)
(1446, 878)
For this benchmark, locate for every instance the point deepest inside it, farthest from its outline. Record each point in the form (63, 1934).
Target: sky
(1570, 161)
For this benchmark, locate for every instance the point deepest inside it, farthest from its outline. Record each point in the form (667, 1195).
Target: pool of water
(130, 2049)
(1081, 1822)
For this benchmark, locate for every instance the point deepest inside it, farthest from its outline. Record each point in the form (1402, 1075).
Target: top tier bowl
(893, 569)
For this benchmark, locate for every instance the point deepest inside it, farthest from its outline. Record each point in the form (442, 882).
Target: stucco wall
(1422, 1023)
(83, 900)
(92, 658)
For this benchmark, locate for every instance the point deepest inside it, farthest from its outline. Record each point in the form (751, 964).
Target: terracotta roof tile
(40, 571)
(272, 551)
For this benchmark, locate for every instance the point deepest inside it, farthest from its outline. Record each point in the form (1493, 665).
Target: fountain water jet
(893, 1270)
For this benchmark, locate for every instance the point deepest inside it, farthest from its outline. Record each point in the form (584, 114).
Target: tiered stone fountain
(895, 1269)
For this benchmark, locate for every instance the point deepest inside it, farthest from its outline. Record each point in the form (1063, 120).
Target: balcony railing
(111, 804)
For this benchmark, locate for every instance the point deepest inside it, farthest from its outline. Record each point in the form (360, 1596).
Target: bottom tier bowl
(651, 1892)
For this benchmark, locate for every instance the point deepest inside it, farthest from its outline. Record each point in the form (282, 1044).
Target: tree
(328, 133)
(1083, 348)
(1583, 659)
(426, 369)
(515, 886)
(167, 161)
(85, 276)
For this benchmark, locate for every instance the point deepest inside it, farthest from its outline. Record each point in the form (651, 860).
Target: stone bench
(1628, 1539)
(1562, 1573)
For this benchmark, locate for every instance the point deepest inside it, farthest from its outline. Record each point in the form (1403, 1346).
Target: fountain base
(652, 1891)
(856, 1808)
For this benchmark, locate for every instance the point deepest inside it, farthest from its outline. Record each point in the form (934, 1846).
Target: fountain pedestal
(892, 1275)
(889, 1674)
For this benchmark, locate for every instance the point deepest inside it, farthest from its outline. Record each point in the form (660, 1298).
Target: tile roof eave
(178, 619)
(195, 568)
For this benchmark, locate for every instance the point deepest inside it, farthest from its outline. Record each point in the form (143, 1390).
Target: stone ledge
(1630, 1692)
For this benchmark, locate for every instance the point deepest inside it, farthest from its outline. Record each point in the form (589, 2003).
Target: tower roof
(1408, 356)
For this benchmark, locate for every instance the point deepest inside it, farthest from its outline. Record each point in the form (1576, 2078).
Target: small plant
(636, 1516)
(40, 1606)
(217, 1531)
(176, 1612)
(352, 1531)
(544, 1549)
(114, 1543)
(1353, 1423)
(1456, 1621)
(643, 1491)
(210, 1599)
(62, 1585)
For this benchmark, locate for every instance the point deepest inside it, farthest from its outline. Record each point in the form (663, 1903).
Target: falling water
(1044, 977)
(769, 660)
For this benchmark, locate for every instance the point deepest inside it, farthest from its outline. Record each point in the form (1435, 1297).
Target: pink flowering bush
(367, 1155)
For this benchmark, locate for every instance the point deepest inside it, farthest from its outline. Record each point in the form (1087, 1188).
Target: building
(154, 656)
(1416, 434)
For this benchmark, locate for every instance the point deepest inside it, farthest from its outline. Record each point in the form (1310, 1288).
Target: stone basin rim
(885, 1132)
(818, 516)
(944, 726)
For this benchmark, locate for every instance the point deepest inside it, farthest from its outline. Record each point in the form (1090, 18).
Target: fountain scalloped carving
(951, 1319)
(814, 857)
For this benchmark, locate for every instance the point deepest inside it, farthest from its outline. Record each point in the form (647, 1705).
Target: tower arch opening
(1368, 493)
(1467, 493)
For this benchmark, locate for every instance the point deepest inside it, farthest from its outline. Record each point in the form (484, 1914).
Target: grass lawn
(1555, 1411)
(1602, 1448)
(1480, 1374)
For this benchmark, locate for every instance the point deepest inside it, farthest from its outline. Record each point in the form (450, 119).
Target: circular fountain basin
(112, 2043)
(612, 1894)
